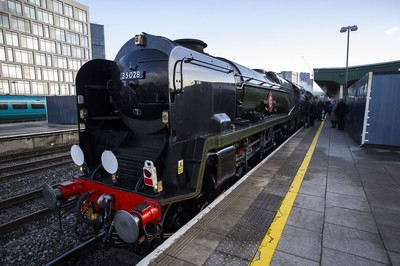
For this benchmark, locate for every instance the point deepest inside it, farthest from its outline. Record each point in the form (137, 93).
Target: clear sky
(288, 35)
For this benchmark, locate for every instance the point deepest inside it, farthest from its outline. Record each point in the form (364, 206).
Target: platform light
(342, 30)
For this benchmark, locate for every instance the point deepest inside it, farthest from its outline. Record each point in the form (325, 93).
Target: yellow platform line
(270, 242)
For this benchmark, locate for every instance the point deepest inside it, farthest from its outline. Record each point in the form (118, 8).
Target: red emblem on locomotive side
(270, 102)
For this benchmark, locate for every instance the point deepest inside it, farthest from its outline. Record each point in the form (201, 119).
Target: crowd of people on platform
(319, 109)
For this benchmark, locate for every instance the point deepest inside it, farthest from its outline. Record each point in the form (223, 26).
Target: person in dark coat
(341, 110)
(320, 108)
(313, 112)
(305, 112)
(326, 108)
(332, 113)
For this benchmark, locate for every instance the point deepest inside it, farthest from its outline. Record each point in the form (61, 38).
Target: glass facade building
(98, 43)
(43, 43)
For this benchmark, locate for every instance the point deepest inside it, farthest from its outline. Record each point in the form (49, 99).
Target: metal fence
(62, 110)
(374, 102)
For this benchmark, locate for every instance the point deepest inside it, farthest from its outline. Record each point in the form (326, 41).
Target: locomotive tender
(167, 127)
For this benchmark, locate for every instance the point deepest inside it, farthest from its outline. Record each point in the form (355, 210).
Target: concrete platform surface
(346, 212)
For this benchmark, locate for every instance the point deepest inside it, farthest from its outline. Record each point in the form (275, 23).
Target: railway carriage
(14, 108)
(164, 129)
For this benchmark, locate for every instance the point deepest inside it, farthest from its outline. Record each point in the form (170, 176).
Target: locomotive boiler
(163, 129)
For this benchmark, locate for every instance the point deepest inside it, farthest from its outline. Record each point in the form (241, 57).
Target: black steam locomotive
(164, 128)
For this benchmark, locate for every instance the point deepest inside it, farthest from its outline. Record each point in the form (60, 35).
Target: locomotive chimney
(194, 44)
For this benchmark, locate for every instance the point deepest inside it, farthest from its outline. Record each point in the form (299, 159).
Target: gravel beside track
(41, 241)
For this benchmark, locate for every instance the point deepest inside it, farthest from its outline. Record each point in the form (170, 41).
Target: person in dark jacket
(341, 110)
(313, 112)
(305, 112)
(320, 108)
(332, 113)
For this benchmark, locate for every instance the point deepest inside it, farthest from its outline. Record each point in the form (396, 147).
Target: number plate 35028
(137, 74)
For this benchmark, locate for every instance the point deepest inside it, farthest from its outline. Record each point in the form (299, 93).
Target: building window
(39, 88)
(61, 22)
(4, 87)
(77, 26)
(2, 54)
(50, 74)
(85, 41)
(48, 46)
(54, 89)
(68, 76)
(29, 72)
(4, 21)
(25, 57)
(29, 12)
(20, 24)
(37, 29)
(60, 62)
(40, 59)
(66, 49)
(10, 55)
(58, 7)
(1, 37)
(11, 71)
(38, 73)
(60, 76)
(49, 62)
(46, 31)
(45, 16)
(58, 34)
(36, 2)
(12, 38)
(72, 38)
(15, 7)
(78, 52)
(29, 42)
(68, 11)
(74, 64)
(80, 15)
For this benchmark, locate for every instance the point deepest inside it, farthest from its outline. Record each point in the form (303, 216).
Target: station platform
(318, 200)
(26, 136)
(13, 130)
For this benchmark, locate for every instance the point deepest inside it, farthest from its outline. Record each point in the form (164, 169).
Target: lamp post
(342, 30)
(15, 86)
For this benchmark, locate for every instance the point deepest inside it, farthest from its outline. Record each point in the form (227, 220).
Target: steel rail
(78, 251)
(28, 164)
(31, 171)
(21, 198)
(29, 154)
(7, 227)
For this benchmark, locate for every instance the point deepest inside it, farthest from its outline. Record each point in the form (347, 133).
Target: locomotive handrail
(208, 65)
(178, 90)
(259, 80)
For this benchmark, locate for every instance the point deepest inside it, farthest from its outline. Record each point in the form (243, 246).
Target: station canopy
(330, 79)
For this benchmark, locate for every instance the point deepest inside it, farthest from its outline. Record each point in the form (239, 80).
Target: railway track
(28, 155)
(22, 220)
(78, 251)
(49, 161)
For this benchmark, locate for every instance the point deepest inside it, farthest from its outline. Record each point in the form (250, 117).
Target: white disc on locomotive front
(109, 162)
(77, 155)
